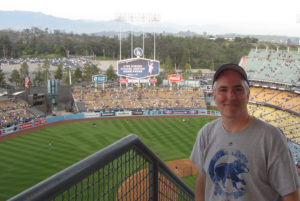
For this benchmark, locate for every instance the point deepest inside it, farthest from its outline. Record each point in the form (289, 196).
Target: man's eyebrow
(235, 86)
(222, 87)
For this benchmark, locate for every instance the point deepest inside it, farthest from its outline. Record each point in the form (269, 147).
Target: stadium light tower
(155, 19)
(139, 18)
(120, 20)
(298, 21)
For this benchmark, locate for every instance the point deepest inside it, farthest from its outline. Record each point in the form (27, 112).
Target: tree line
(171, 50)
(42, 74)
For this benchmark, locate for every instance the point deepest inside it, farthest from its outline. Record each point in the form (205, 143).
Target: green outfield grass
(30, 158)
(190, 181)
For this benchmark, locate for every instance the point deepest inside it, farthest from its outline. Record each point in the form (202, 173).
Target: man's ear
(248, 95)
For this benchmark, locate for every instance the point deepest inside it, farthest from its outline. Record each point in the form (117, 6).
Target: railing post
(154, 179)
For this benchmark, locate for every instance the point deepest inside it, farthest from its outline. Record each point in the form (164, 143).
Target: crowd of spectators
(166, 98)
(277, 66)
(287, 122)
(13, 111)
(139, 98)
(283, 99)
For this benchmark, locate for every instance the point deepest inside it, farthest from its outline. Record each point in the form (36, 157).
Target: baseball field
(34, 156)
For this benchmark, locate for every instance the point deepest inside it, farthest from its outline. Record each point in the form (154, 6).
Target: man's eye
(222, 90)
(239, 89)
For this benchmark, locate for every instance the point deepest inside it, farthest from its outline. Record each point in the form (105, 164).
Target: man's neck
(237, 124)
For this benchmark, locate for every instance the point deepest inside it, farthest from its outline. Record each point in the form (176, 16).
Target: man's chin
(231, 114)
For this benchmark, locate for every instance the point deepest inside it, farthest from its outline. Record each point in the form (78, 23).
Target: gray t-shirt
(253, 164)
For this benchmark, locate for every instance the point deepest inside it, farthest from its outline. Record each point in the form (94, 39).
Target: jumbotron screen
(138, 68)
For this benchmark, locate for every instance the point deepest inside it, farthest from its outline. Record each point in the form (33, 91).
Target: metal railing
(124, 171)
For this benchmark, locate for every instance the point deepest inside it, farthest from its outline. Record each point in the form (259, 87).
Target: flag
(26, 82)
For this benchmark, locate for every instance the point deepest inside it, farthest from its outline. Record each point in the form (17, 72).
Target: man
(238, 156)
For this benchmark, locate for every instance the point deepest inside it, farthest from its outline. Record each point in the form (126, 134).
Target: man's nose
(231, 94)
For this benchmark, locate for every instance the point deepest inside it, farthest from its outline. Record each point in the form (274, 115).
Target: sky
(250, 16)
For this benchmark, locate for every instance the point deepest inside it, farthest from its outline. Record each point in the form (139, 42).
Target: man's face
(230, 95)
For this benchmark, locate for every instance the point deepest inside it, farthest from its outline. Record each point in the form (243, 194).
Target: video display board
(99, 78)
(138, 68)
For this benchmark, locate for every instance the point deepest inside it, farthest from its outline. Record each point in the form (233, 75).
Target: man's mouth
(231, 104)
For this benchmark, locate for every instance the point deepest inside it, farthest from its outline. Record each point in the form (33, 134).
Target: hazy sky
(257, 16)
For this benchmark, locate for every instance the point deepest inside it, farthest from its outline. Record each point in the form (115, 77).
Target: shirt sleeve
(282, 171)
(197, 154)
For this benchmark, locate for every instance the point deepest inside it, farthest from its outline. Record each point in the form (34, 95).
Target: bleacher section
(138, 99)
(13, 111)
(278, 115)
(283, 99)
(288, 123)
(36, 112)
(273, 66)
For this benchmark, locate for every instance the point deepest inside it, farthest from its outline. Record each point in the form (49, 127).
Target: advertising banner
(154, 112)
(174, 78)
(177, 112)
(217, 113)
(138, 68)
(123, 113)
(123, 81)
(138, 80)
(40, 122)
(138, 113)
(9, 130)
(167, 112)
(202, 112)
(26, 125)
(107, 114)
(99, 78)
(181, 112)
(153, 80)
(244, 63)
(193, 111)
(91, 115)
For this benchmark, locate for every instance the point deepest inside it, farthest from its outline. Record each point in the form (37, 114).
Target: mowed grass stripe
(28, 159)
(175, 139)
(145, 129)
(36, 150)
(170, 136)
(151, 133)
(159, 133)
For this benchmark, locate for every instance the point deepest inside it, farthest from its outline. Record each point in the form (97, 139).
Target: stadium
(88, 117)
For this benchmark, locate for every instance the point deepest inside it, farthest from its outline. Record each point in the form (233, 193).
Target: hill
(19, 20)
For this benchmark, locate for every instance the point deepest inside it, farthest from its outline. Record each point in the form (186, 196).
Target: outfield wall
(45, 121)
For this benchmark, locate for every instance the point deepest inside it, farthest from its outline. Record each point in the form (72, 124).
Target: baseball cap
(230, 66)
